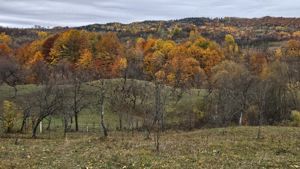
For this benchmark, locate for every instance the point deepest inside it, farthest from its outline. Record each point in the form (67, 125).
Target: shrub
(10, 115)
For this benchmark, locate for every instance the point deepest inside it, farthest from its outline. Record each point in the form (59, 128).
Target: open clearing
(234, 147)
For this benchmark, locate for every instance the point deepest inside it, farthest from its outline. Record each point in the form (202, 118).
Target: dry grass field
(207, 148)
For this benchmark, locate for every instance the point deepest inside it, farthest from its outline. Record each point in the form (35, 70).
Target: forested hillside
(152, 76)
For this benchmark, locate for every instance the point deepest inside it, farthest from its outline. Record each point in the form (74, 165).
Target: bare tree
(10, 73)
(47, 102)
(119, 101)
(161, 96)
(26, 111)
(158, 114)
(78, 96)
(101, 91)
(259, 98)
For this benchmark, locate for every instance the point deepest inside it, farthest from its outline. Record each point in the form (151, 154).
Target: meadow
(232, 147)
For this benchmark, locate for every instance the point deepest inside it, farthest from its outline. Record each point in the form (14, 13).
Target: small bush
(295, 116)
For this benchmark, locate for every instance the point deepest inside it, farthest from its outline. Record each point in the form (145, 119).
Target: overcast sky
(26, 13)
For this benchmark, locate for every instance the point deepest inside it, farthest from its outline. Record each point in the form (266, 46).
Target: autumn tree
(231, 84)
(179, 66)
(258, 61)
(206, 52)
(231, 48)
(108, 49)
(135, 63)
(42, 34)
(5, 45)
(40, 73)
(155, 59)
(47, 46)
(69, 45)
(86, 58)
(184, 72)
(10, 116)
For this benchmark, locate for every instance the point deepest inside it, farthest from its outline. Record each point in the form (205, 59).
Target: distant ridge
(247, 31)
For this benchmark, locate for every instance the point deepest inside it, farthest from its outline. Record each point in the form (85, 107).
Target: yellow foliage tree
(207, 53)
(42, 34)
(231, 47)
(85, 59)
(119, 66)
(69, 45)
(10, 115)
(5, 38)
(154, 62)
(28, 53)
(37, 57)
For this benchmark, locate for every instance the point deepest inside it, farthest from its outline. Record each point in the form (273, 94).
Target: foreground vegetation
(234, 147)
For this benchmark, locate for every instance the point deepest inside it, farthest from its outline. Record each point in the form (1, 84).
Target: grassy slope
(209, 148)
(89, 117)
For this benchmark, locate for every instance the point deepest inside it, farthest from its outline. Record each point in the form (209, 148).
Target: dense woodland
(154, 75)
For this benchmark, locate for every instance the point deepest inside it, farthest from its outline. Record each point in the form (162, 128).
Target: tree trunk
(41, 127)
(120, 123)
(76, 109)
(49, 124)
(241, 119)
(23, 124)
(8, 130)
(102, 120)
(71, 120)
(162, 121)
(35, 127)
(147, 133)
(76, 121)
(15, 91)
(158, 115)
(157, 138)
(136, 124)
(258, 136)
(65, 126)
(190, 121)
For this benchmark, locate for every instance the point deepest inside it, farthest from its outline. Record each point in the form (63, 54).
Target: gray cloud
(26, 13)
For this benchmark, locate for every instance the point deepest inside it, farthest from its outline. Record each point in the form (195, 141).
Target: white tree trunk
(241, 119)
(41, 127)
